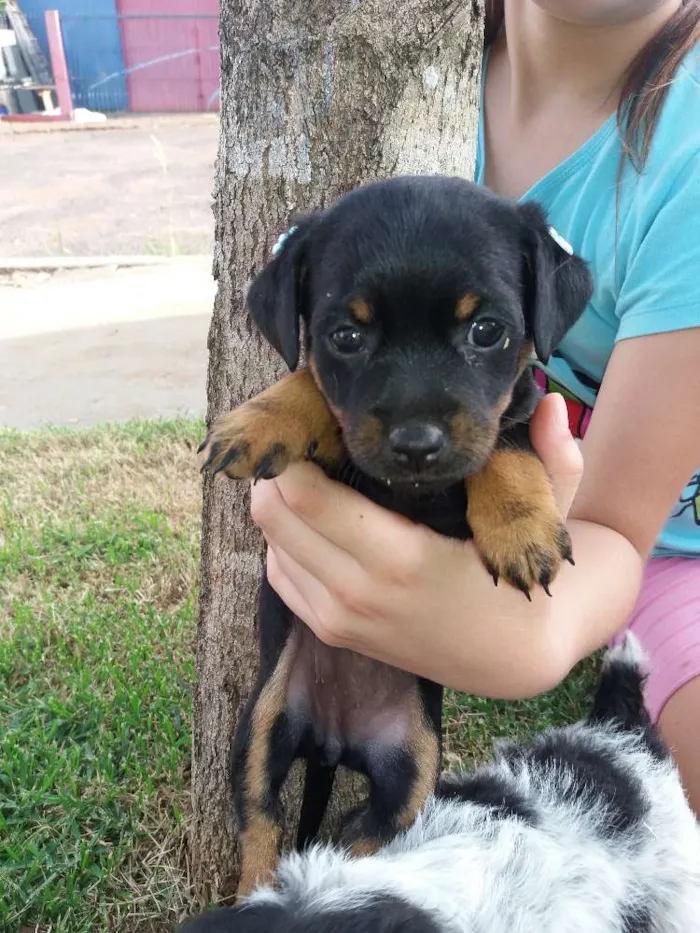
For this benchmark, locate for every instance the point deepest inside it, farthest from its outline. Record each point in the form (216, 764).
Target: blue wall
(93, 49)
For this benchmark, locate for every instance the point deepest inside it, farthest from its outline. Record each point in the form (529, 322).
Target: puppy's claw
(494, 573)
(545, 579)
(311, 449)
(230, 457)
(213, 454)
(262, 472)
(271, 464)
(203, 445)
(521, 563)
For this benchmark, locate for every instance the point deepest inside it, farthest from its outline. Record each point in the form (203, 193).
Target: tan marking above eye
(466, 306)
(361, 311)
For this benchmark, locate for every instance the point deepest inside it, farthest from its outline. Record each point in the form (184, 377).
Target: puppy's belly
(348, 705)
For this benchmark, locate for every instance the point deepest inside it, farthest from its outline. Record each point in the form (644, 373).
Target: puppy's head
(422, 299)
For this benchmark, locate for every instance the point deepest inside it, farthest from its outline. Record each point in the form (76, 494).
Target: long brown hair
(647, 79)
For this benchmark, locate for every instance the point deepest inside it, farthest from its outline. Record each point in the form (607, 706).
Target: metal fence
(142, 64)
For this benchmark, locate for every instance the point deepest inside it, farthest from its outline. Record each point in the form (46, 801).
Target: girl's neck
(550, 58)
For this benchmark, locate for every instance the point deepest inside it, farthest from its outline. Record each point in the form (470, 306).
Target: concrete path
(83, 346)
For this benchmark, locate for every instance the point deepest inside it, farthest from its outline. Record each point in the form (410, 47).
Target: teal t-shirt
(645, 261)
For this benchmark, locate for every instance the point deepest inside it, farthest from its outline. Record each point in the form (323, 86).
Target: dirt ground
(139, 186)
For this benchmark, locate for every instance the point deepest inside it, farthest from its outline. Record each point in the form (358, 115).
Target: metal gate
(145, 56)
(93, 49)
(171, 53)
(171, 62)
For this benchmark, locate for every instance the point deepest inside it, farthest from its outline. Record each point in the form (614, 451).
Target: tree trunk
(317, 96)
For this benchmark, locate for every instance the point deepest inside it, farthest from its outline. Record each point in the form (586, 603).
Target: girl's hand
(369, 580)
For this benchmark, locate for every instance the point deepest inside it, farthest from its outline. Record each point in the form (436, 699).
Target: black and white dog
(585, 830)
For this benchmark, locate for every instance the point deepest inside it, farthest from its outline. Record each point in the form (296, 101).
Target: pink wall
(171, 54)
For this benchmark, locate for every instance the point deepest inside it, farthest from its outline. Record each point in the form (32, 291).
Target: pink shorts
(666, 620)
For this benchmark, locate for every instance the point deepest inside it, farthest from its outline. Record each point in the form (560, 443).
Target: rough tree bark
(317, 96)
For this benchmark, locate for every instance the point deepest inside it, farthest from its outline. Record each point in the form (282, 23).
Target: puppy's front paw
(285, 424)
(248, 444)
(516, 524)
(524, 552)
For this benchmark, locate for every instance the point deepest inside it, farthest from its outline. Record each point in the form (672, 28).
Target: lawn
(99, 533)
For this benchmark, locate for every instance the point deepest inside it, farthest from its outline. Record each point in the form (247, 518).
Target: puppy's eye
(348, 340)
(485, 333)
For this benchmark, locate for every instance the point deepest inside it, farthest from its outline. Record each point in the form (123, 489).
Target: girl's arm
(366, 579)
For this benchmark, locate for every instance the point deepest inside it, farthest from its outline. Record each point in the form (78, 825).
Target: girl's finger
(308, 599)
(345, 518)
(289, 532)
(285, 588)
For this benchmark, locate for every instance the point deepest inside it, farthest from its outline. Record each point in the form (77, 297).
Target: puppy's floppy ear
(276, 297)
(558, 285)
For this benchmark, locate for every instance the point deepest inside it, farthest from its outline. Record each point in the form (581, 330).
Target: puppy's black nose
(417, 444)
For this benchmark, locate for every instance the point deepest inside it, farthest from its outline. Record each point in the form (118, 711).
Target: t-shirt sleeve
(661, 288)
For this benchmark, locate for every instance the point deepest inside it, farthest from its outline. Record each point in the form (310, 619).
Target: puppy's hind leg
(318, 786)
(401, 779)
(266, 745)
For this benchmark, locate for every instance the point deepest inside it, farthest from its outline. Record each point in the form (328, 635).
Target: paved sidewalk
(83, 346)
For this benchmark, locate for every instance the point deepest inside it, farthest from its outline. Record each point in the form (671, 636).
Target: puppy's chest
(444, 512)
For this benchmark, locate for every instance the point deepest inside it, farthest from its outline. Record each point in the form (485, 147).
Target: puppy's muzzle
(418, 444)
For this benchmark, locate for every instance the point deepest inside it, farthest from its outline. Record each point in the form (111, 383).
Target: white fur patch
(629, 651)
(563, 871)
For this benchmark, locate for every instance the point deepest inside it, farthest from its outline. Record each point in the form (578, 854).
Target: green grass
(471, 723)
(99, 534)
(98, 555)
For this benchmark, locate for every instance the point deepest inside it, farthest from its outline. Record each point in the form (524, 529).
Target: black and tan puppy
(421, 301)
